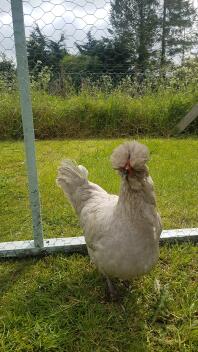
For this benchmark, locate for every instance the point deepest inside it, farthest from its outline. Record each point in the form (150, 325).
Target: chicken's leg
(111, 290)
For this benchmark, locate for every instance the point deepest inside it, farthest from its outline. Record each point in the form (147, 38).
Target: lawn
(57, 303)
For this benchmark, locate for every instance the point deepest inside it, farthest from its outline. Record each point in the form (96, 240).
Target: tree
(37, 51)
(107, 55)
(136, 22)
(43, 52)
(57, 52)
(177, 35)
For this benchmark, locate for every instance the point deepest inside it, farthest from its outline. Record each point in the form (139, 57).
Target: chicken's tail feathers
(70, 176)
(135, 153)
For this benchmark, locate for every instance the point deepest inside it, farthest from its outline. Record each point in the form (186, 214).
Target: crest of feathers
(137, 154)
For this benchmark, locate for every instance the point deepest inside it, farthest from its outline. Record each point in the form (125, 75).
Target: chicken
(121, 232)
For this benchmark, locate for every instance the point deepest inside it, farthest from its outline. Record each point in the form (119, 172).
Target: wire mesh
(80, 50)
(77, 44)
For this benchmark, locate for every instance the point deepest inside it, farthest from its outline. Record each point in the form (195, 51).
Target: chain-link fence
(79, 50)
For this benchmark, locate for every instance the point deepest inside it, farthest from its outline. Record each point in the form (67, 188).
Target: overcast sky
(73, 18)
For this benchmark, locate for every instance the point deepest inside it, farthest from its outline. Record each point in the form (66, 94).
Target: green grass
(87, 115)
(57, 303)
(173, 166)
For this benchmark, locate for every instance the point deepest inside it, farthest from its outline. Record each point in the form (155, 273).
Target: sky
(74, 18)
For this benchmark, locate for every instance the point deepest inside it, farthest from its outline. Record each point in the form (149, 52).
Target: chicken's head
(130, 159)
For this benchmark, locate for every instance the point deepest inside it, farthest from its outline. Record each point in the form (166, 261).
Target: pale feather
(122, 233)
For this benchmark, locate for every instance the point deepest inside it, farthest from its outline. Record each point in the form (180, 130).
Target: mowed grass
(173, 166)
(58, 303)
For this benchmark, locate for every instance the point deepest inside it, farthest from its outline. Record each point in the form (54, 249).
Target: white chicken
(121, 232)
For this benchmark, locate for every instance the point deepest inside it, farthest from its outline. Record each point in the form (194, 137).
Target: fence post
(27, 117)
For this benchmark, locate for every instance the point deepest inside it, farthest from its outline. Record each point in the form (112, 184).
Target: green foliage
(42, 80)
(185, 75)
(43, 52)
(179, 33)
(136, 23)
(76, 64)
(102, 109)
(7, 73)
(144, 37)
(79, 67)
(107, 55)
(142, 33)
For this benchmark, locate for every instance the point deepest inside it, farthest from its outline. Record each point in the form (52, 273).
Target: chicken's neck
(135, 195)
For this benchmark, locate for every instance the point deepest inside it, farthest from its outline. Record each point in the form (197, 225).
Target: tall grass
(102, 110)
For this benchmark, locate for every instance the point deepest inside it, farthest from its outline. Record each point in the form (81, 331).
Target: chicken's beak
(128, 170)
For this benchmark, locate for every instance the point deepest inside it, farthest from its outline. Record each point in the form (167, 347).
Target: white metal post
(27, 117)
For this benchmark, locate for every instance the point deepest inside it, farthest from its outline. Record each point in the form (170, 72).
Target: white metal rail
(77, 244)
